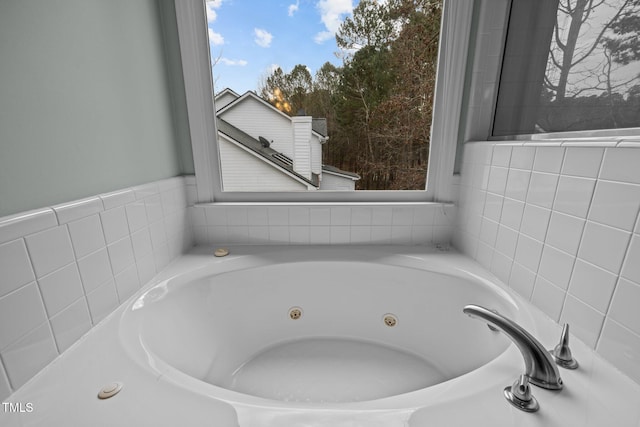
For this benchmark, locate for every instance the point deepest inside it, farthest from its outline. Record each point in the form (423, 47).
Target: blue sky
(249, 38)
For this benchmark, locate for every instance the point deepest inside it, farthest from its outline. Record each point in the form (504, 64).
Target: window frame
(198, 81)
(585, 136)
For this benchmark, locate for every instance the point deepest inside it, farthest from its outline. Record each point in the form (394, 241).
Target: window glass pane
(325, 94)
(570, 65)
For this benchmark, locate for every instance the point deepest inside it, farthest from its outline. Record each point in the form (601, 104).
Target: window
(217, 135)
(570, 65)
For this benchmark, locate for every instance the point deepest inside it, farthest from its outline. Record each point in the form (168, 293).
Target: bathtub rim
(200, 263)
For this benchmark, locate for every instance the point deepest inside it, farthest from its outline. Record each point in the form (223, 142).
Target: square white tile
(517, 184)
(402, 215)
(380, 233)
(339, 234)
(15, 266)
(360, 234)
(319, 235)
(299, 215)
(512, 213)
(582, 161)
(50, 250)
(26, 357)
(535, 222)
(127, 282)
(299, 235)
(548, 298)
(382, 215)
(136, 215)
(592, 285)
(506, 241)
(341, 215)
(523, 157)
(70, 324)
(102, 301)
(237, 215)
(522, 280)
(153, 206)
(60, 288)
(493, 207)
(542, 189)
(621, 164)
(114, 224)
(624, 307)
(95, 269)
(257, 215)
(86, 235)
(615, 204)
(604, 246)
(278, 215)
(565, 232)
(497, 180)
(528, 252)
(501, 155)
(574, 195)
(556, 266)
(259, 234)
(319, 216)
(121, 255)
(548, 159)
(141, 242)
(20, 312)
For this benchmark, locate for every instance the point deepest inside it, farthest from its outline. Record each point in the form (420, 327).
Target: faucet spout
(539, 365)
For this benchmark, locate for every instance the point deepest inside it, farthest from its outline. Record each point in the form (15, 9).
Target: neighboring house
(263, 149)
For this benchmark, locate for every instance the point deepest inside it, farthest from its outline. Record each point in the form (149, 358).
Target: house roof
(317, 129)
(229, 91)
(270, 155)
(336, 171)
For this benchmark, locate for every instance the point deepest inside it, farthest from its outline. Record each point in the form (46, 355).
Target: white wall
(256, 119)
(85, 100)
(243, 171)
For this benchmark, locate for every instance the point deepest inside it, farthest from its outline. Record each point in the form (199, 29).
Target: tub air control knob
(519, 395)
(220, 252)
(110, 390)
(562, 353)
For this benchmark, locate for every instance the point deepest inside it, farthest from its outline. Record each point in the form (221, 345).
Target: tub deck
(64, 393)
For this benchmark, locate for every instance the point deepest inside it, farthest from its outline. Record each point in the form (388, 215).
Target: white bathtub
(176, 346)
(225, 330)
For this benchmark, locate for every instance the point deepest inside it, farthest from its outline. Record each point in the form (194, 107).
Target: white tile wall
(65, 268)
(571, 245)
(358, 223)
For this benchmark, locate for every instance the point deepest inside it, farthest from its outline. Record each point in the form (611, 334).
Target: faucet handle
(562, 353)
(519, 395)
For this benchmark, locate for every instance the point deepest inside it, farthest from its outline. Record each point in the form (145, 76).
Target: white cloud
(211, 6)
(293, 8)
(215, 39)
(238, 62)
(263, 37)
(331, 14)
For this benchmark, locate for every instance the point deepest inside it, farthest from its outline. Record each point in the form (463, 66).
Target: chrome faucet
(540, 369)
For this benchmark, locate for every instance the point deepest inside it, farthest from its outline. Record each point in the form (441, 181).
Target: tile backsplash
(299, 224)
(559, 224)
(66, 267)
